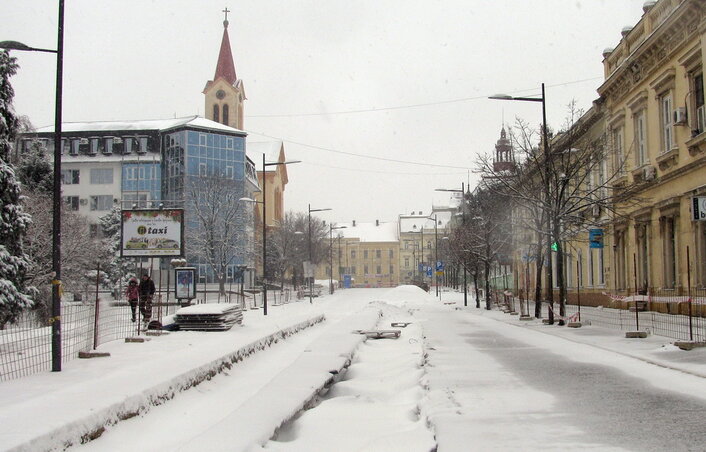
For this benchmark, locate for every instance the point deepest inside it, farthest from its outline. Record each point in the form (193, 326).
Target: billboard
(152, 233)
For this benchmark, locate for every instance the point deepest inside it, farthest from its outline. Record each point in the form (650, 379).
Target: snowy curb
(93, 425)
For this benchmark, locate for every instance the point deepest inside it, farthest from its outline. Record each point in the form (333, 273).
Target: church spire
(225, 67)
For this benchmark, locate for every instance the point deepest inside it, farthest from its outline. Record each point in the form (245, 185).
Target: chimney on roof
(377, 222)
(353, 223)
(420, 212)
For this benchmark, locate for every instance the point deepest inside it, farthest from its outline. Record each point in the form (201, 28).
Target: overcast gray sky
(399, 80)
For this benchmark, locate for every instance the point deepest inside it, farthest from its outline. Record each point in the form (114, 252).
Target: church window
(215, 112)
(225, 114)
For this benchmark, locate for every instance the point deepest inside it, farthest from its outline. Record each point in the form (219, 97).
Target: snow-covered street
(457, 379)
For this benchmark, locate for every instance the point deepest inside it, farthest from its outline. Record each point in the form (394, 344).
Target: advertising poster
(152, 233)
(185, 280)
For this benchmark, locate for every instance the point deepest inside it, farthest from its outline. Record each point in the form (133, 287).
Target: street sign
(429, 271)
(439, 266)
(595, 238)
(698, 208)
(309, 269)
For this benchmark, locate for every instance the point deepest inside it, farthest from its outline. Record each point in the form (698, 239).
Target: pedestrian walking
(146, 293)
(133, 295)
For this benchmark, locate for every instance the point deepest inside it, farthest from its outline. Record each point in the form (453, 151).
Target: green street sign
(555, 246)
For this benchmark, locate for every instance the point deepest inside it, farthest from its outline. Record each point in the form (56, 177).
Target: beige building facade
(653, 96)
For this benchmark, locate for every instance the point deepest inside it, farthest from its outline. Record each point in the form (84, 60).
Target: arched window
(225, 114)
(215, 112)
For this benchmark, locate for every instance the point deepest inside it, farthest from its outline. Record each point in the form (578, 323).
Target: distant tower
(504, 157)
(225, 94)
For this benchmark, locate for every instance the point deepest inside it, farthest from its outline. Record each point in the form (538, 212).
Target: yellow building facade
(655, 120)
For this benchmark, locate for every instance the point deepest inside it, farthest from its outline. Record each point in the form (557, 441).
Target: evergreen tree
(34, 170)
(14, 296)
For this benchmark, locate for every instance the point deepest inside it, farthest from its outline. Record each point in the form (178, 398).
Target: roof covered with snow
(271, 149)
(147, 124)
(369, 232)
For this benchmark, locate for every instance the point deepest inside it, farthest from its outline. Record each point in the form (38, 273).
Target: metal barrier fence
(25, 346)
(660, 312)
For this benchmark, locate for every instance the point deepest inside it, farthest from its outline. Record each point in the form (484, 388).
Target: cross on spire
(226, 11)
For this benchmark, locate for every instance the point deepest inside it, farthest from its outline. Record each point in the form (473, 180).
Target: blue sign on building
(595, 238)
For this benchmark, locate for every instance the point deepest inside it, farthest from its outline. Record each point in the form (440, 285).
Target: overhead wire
(402, 107)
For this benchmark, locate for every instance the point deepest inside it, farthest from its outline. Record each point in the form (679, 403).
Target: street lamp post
(56, 200)
(264, 225)
(547, 170)
(311, 279)
(330, 238)
(463, 221)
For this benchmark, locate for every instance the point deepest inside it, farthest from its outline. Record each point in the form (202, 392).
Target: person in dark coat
(133, 295)
(146, 293)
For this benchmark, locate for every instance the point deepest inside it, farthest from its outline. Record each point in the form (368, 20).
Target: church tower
(504, 157)
(225, 94)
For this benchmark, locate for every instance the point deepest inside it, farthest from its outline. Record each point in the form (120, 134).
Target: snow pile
(406, 296)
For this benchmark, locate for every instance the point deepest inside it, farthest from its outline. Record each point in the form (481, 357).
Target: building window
(143, 145)
(225, 114)
(127, 145)
(138, 199)
(601, 268)
(378, 270)
(620, 260)
(365, 269)
(70, 177)
(643, 253)
(428, 244)
(640, 139)
(392, 269)
(75, 146)
(216, 113)
(700, 231)
(353, 270)
(202, 139)
(365, 255)
(406, 262)
(229, 172)
(669, 250)
(591, 280)
(665, 103)
(378, 254)
(697, 89)
(101, 202)
(71, 202)
(203, 171)
(101, 176)
(353, 255)
(391, 254)
(108, 145)
(618, 143)
(93, 148)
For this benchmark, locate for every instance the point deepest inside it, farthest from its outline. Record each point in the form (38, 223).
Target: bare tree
(558, 191)
(80, 253)
(215, 219)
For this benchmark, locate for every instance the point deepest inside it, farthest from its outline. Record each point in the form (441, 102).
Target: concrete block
(635, 334)
(136, 339)
(526, 317)
(689, 345)
(89, 355)
(574, 324)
